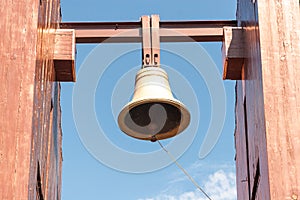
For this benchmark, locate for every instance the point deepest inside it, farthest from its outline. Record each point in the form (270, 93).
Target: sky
(101, 162)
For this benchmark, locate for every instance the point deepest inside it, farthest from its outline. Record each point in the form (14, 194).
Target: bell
(153, 114)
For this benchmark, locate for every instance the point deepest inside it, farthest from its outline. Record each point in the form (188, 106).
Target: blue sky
(85, 176)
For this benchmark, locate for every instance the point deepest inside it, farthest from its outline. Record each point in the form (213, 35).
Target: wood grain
(242, 176)
(250, 91)
(17, 55)
(280, 53)
(233, 53)
(271, 88)
(46, 129)
(28, 137)
(64, 55)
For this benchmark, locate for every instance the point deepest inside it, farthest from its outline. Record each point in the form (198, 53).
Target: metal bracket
(155, 40)
(146, 41)
(150, 41)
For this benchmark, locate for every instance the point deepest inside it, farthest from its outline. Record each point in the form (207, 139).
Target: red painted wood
(280, 52)
(28, 128)
(271, 88)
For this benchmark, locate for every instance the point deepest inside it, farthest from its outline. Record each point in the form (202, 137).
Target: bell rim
(185, 120)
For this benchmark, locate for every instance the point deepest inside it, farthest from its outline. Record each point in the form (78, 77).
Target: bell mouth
(162, 118)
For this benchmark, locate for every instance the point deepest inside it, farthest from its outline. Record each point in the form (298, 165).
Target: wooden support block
(64, 55)
(233, 53)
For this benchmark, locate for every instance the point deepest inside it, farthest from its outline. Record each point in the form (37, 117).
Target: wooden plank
(108, 36)
(137, 24)
(133, 35)
(129, 32)
(17, 69)
(242, 163)
(46, 128)
(233, 53)
(64, 55)
(280, 54)
(251, 88)
(271, 79)
(26, 75)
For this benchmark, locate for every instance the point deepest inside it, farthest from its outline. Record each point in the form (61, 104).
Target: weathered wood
(242, 180)
(250, 88)
(279, 30)
(233, 53)
(174, 31)
(46, 130)
(28, 137)
(271, 88)
(17, 68)
(64, 55)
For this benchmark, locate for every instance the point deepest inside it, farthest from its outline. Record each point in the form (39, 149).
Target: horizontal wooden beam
(64, 55)
(130, 32)
(233, 53)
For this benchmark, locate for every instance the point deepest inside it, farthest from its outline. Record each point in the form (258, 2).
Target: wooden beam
(268, 101)
(233, 53)
(18, 49)
(279, 32)
(129, 32)
(64, 55)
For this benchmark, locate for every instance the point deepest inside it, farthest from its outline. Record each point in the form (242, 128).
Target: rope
(183, 170)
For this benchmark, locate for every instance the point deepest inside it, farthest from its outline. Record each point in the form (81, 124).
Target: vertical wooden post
(18, 43)
(279, 29)
(268, 101)
(30, 132)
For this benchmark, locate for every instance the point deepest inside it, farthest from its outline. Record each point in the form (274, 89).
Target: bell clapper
(153, 138)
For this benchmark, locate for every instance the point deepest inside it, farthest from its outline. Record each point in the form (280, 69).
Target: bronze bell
(153, 114)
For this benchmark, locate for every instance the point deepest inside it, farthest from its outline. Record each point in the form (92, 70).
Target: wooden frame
(150, 32)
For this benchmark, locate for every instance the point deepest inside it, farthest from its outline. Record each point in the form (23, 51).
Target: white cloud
(200, 169)
(219, 186)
